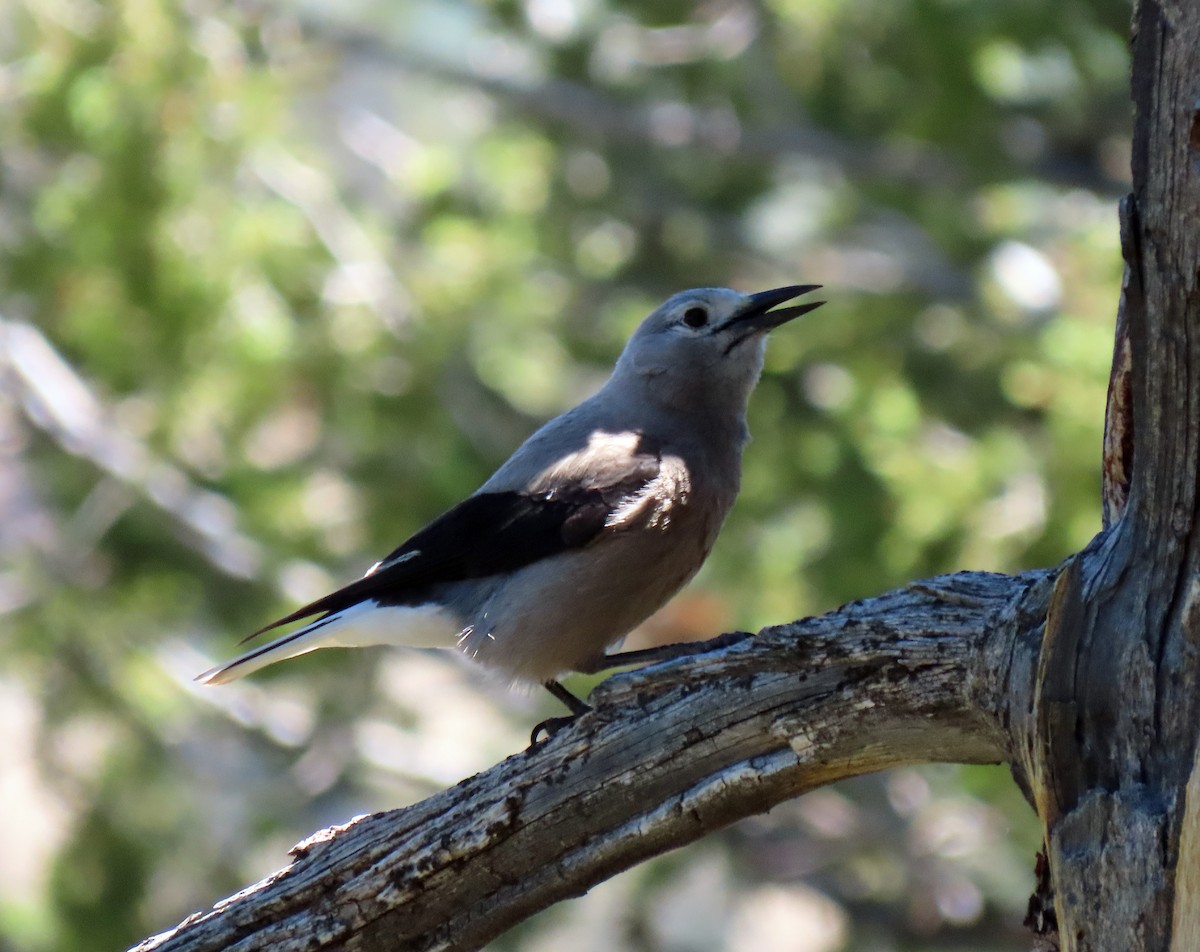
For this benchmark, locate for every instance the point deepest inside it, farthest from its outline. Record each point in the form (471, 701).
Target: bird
(588, 528)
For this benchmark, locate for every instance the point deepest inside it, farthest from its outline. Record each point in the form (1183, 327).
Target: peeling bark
(1117, 463)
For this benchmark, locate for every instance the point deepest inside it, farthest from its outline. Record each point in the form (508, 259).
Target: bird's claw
(551, 726)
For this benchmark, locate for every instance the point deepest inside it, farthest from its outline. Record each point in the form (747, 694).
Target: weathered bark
(669, 754)
(1085, 679)
(1117, 693)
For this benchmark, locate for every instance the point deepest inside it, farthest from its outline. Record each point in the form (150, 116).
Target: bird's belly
(564, 612)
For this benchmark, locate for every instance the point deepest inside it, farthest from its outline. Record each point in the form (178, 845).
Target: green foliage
(279, 287)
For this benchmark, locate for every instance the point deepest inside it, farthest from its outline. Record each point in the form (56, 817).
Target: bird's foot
(550, 726)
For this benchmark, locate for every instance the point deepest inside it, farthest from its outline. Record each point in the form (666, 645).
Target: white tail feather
(367, 623)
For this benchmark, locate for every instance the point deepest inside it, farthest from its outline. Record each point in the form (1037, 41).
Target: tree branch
(669, 754)
(589, 114)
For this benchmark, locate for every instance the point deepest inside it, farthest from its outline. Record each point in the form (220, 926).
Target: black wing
(486, 534)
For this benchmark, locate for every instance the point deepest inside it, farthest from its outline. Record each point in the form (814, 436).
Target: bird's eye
(695, 317)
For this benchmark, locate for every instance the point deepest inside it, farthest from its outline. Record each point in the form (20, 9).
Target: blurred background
(279, 283)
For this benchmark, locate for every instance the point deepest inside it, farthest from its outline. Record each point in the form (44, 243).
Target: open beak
(757, 315)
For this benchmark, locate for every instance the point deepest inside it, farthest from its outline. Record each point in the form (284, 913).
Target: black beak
(757, 315)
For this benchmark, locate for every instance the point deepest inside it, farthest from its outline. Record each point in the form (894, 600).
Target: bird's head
(705, 346)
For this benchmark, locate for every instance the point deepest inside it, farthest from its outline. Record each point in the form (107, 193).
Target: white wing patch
(653, 505)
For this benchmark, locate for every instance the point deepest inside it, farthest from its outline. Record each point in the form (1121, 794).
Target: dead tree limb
(669, 754)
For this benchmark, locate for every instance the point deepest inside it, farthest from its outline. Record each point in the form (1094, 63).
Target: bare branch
(669, 754)
(56, 399)
(589, 114)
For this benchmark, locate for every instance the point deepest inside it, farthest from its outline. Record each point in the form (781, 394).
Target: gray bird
(590, 526)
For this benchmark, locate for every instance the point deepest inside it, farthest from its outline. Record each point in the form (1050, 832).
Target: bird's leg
(574, 704)
(553, 725)
(680, 649)
(620, 659)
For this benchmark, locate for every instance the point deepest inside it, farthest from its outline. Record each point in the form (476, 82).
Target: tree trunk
(1112, 765)
(1084, 679)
